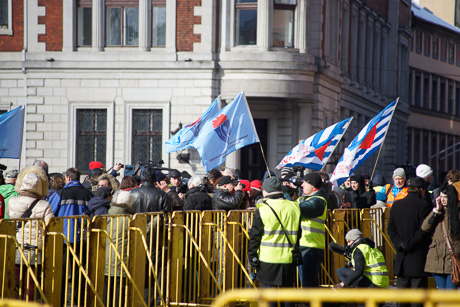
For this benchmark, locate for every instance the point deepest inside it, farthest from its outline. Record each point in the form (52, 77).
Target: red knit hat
(256, 184)
(95, 164)
(246, 184)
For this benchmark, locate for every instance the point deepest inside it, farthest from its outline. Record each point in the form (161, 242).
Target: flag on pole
(364, 144)
(185, 137)
(11, 128)
(231, 129)
(314, 152)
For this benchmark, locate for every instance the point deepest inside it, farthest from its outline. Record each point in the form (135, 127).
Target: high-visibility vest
(274, 246)
(391, 198)
(375, 268)
(314, 230)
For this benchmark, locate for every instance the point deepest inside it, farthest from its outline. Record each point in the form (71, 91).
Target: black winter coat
(197, 199)
(222, 200)
(410, 241)
(148, 198)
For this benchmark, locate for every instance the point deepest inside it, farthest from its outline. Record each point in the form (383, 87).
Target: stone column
(145, 22)
(263, 25)
(98, 25)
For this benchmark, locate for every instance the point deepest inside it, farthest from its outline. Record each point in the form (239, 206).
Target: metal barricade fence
(155, 259)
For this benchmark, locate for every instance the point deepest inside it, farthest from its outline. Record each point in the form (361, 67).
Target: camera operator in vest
(269, 249)
(368, 268)
(313, 208)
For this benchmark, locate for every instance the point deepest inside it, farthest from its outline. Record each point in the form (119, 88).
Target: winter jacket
(117, 227)
(438, 258)
(74, 201)
(410, 241)
(197, 199)
(7, 191)
(16, 208)
(148, 198)
(97, 206)
(223, 200)
(175, 203)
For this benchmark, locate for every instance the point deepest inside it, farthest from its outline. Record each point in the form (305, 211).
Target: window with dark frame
(283, 23)
(418, 90)
(84, 23)
(411, 44)
(426, 92)
(91, 137)
(158, 23)
(458, 55)
(147, 135)
(122, 23)
(435, 47)
(4, 12)
(442, 96)
(246, 22)
(450, 98)
(443, 50)
(457, 99)
(451, 54)
(418, 41)
(434, 93)
(427, 45)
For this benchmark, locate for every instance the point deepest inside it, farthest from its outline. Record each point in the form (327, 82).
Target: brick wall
(379, 6)
(53, 22)
(15, 42)
(184, 23)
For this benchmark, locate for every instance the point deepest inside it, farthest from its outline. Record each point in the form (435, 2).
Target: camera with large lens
(296, 181)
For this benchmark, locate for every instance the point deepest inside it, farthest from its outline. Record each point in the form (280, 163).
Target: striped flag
(314, 152)
(364, 144)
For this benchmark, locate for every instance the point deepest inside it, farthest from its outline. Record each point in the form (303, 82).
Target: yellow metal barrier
(316, 297)
(17, 303)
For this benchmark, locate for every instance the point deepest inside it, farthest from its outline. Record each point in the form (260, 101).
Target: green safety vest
(375, 268)
(274, 246)
(314, 230)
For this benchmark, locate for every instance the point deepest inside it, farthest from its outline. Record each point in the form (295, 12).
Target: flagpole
(265, 160)
(383, 141)
(338, 142)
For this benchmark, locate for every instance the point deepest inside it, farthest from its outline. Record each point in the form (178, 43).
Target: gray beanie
(399, 172)
(354, 235)
(271, 184)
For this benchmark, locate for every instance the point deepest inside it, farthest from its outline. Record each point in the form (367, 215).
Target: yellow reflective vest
(375, 268)
(314, 230)
(274, 246)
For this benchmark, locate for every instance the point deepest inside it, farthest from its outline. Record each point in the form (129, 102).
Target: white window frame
(9, 29)
(73, 107)
(128, 136)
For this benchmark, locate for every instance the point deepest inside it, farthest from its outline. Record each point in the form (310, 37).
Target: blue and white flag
(185, 137)
(231, 129)
(364, 144)
(314, 152)
(11, 127)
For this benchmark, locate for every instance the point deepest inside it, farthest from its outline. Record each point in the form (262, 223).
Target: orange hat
(95, 164)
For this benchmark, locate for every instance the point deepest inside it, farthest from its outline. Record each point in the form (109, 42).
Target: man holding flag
(369, 140)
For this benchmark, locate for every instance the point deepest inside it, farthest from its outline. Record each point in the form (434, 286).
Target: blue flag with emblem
(185, 137)
(231, 129)
(11, 127)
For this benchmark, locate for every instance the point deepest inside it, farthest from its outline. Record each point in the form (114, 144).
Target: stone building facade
(109, 80)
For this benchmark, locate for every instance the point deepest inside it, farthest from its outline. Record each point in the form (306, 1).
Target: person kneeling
(368, 264)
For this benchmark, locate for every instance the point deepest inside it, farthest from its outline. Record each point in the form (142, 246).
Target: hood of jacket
(97, 201)
(120, 209)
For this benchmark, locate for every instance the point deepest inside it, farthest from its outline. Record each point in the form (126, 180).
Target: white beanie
(399, 172)
(423, 171)
(354, 235)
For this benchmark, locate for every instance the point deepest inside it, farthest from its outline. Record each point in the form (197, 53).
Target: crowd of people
(290, 212)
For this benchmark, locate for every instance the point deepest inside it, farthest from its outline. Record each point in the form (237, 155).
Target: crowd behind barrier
(155, 259)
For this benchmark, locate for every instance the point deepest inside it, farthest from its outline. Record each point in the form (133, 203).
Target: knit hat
(399, 172)
(160, 176)
(95, 164)
(124, 197)
(174, 173)
(423, 171)
(12, 174)
(256, 185)
(103, 192)
(417, 182)
(354, 235)
(314, 179)
(271, 184)
(287, 171)
(246, 185)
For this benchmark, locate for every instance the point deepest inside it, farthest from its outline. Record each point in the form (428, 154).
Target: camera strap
(282, 227)
(27, 213)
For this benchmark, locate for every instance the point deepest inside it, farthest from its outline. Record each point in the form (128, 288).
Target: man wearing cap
(410, 241)
(7, 189)
(228, 195)
(175, 177)
(147, 197)
(425, 172)
(395, 191)
(368, 267)
(269, 250)
(313, 207)
(172, 198)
